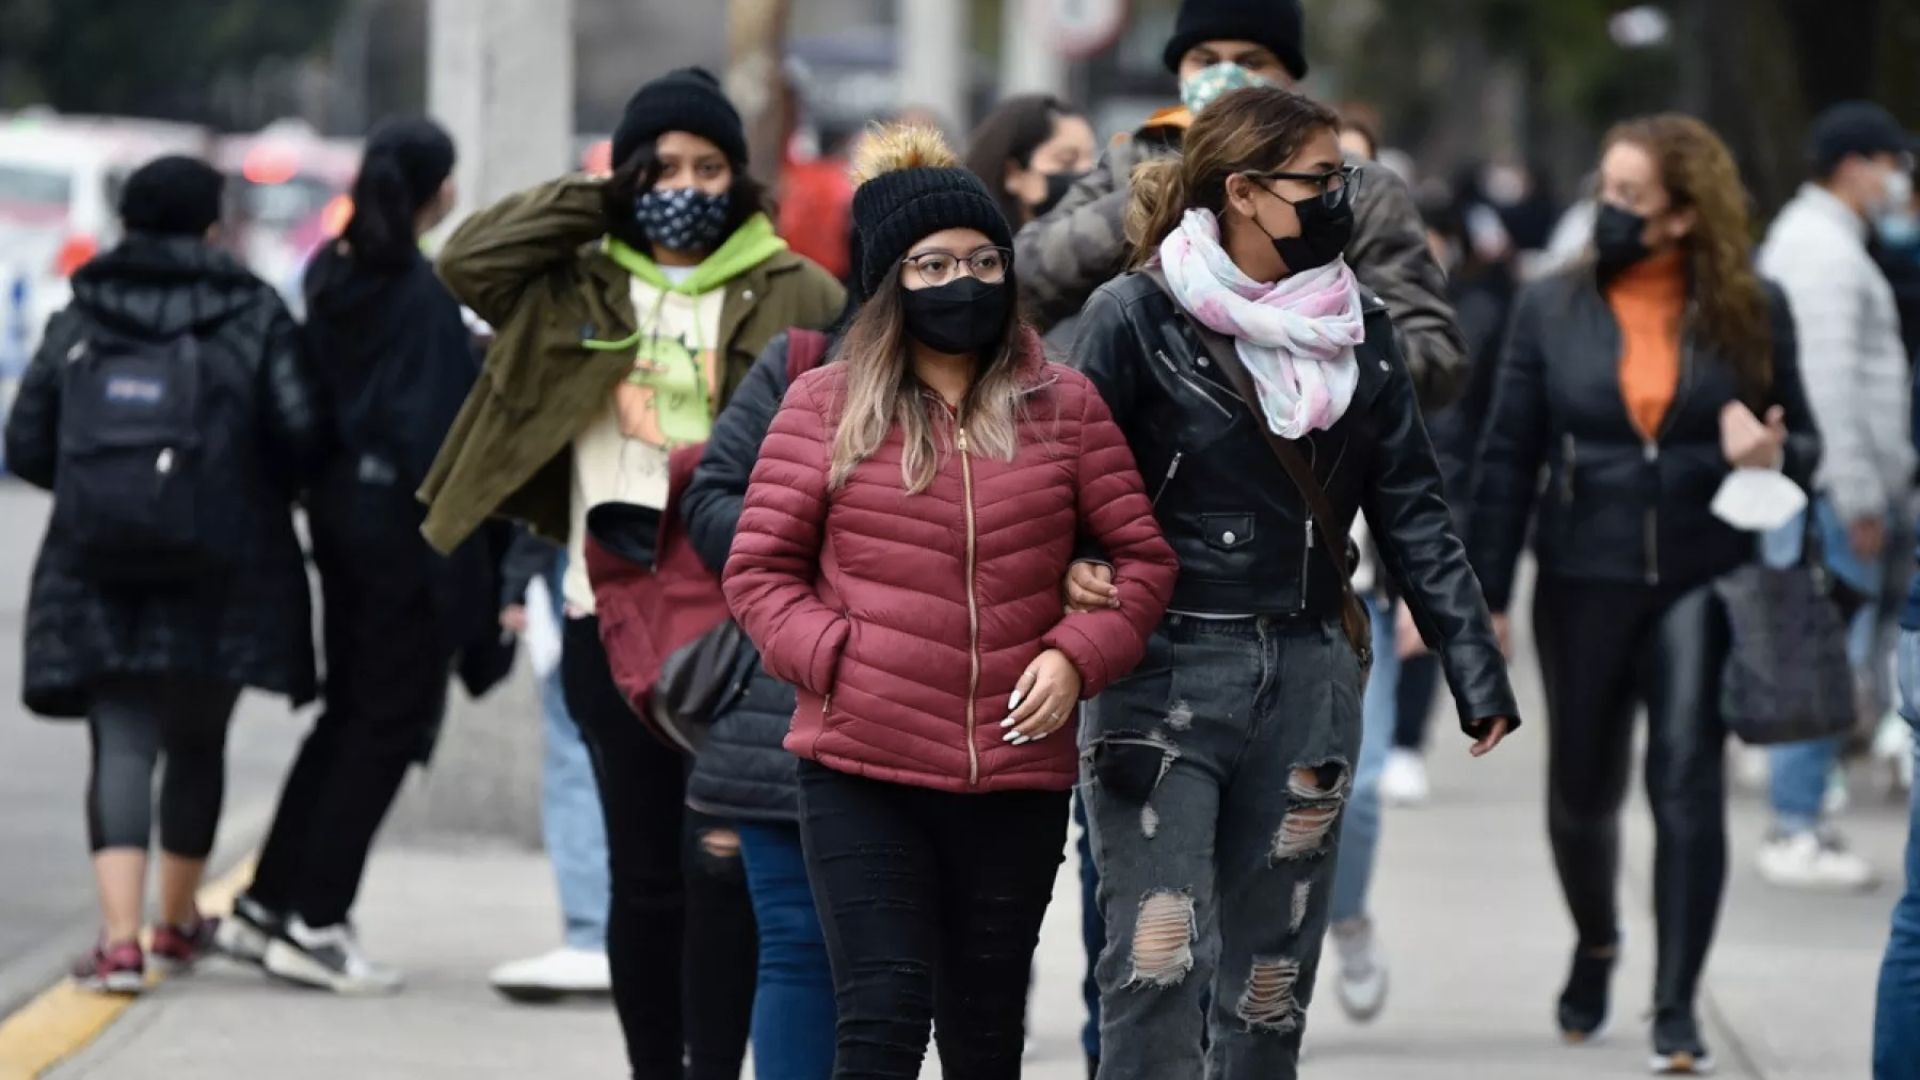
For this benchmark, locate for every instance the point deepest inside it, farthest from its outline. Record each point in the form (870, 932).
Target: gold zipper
(973, 610)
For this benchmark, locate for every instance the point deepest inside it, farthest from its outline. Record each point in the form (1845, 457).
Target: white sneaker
(1403, 782)
(330, 958)
(564, 972)
(1808, 860)
(1363, 971)
(1893, 748)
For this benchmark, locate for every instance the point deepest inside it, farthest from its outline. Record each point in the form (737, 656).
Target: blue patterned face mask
(1199, 90)
(683, 219)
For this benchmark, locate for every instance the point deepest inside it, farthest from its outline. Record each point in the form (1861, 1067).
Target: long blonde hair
(882, 389)
(1249, 129)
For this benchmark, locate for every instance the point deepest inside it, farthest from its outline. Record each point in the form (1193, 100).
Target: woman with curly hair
(1640, 378)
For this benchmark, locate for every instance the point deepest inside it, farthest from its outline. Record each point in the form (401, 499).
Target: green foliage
(162, 58)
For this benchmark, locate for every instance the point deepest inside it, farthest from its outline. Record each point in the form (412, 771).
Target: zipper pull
(1652, 451)
(963, 440)
(1175, 466)
(164, 463)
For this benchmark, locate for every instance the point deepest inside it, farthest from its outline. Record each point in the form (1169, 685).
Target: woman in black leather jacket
(1639, 380)
(1216, 774)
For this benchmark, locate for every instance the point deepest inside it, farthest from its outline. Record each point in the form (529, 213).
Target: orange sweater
(1647, 300)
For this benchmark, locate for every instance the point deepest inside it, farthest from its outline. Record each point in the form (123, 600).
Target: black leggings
(680, 934)
(931, 903)
(133, 722)
(1605, 647)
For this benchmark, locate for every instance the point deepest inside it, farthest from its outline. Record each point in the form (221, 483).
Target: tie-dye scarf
(1295, 336)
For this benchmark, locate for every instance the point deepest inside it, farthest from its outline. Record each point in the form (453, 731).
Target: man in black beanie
(1217, 46)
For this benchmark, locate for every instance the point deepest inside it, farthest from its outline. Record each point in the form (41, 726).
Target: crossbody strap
(1220, 349)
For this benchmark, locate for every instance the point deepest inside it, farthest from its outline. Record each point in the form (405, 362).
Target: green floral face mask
(1203, 87)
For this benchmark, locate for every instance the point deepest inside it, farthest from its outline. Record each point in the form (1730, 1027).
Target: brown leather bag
(1354, 618)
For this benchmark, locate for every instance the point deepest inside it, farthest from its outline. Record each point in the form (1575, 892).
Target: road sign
(1081, 28)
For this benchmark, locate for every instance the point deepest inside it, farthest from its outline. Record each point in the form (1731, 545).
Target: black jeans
(1605, 647)
(680, 933)
(387, 669)
(931, 902)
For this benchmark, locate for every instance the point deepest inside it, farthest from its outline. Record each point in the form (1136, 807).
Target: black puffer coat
(252, 626)
(742, 772)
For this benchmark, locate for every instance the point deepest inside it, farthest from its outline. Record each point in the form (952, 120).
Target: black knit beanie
(911, 187)
(1277, 24)
(687, 100)
(172, 196)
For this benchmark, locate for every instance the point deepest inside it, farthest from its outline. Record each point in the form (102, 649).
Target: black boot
(1583, 1003)
(1678, 1049)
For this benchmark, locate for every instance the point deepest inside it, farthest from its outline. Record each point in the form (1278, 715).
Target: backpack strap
(805, 350)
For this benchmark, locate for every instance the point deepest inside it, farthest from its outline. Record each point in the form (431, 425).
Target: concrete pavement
(1465, 899)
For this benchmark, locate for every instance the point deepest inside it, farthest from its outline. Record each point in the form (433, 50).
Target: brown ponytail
(1159, 198)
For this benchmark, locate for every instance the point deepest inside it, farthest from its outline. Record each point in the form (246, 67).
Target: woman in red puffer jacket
(898, 560)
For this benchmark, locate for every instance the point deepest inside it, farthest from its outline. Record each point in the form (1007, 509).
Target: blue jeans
(1093, 930)
(1801, 770)
(1896, 1026)
(570, 820)
(1360, 827)
(793, 1010)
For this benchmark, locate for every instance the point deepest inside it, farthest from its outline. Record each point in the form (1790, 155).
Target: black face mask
(1618, 238)
(1058, 184)
(1324, 231)
(960, 318)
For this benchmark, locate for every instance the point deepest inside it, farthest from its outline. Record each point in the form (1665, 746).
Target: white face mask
(1898, 191)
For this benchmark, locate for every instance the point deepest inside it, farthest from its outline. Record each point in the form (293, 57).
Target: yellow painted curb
(64, 1018)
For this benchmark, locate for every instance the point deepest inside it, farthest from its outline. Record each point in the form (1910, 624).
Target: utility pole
(501, 79)
(1030, 63)
(933, 50)
(756, 80)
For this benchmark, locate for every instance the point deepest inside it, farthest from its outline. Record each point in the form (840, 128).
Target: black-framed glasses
(987, 265)
(1336, 187)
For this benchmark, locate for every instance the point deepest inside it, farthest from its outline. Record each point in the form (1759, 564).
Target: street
(1466, 903)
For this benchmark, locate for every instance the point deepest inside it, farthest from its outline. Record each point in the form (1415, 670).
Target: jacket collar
(1819, 203)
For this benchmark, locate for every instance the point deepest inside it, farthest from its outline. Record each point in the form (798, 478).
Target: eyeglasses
(987, 265)
(1336, 187)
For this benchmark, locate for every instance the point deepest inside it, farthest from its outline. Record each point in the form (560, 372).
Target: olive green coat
(532, 267)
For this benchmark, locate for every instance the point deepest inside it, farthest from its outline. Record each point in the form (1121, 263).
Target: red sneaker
(112, 969)
(177, 948)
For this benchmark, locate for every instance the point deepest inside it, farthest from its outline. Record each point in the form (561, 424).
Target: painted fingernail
(1008, 722)
(1042, 735)
(1014, 701)
(1016, 738)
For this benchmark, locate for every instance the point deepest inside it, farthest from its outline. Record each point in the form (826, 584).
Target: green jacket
(534, 267)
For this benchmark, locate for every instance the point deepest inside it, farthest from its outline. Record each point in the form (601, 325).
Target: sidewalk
(1466, 902)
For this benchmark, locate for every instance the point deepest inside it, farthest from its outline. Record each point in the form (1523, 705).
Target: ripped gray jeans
(1214, 779)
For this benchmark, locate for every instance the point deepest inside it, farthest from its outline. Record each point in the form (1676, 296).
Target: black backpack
(131, 488)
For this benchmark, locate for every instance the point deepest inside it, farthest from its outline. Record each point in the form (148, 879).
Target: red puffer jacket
(905, 621)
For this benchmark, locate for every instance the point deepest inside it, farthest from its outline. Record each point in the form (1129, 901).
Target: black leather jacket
(1239, 526)
(1616, 506)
